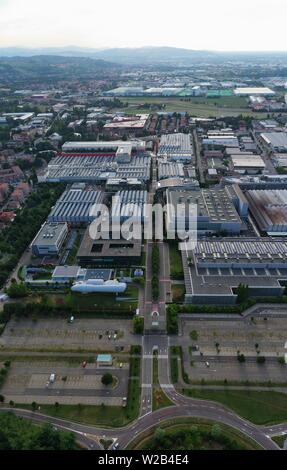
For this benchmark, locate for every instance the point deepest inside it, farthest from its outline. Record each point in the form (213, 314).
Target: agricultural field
(197, 107)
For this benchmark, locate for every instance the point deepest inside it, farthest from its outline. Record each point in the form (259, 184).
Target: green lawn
(201, 106)
(257, 407)
(89, 302)
(280, 440)
(106, 416)
(159, 399)
(178, 292)
(73, 253)
(176, 269)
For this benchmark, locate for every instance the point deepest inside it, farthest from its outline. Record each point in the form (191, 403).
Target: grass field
(106, 416)
(257, 407)
(198, 107)
(89, 302)
(176, 269)
(178, 291)
(204, 425)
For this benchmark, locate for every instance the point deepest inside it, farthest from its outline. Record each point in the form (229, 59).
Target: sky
(224, 25)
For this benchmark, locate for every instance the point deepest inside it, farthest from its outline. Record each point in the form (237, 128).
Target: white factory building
(50, 239)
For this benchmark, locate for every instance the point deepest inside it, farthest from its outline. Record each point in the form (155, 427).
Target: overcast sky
(206, 24)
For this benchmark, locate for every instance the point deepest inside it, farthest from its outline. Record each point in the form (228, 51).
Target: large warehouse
(127, 204)
(113, 148)
(170, 170)
(275, 141)
(269, 209)
(176, 147)
(215, 211)
(95, 168)
(75, 206)
(215, 268)
(247, 164)
(254, 91)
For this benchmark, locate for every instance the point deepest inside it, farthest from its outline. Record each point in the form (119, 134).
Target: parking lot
(269, 337)
(230, 369)
(59, 335)
(210, 349)
(71, 384)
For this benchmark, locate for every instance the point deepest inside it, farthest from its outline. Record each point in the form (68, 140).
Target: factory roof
(170, 170)
(177, 144)
(50, 233)
(275, 139)
(253, 91)
(213, 204)
(93, 248)
(66, 271)
(247, 161)
(268, 207)
(76, 203)
(97, 168)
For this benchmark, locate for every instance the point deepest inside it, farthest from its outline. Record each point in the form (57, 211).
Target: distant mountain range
(135, 56)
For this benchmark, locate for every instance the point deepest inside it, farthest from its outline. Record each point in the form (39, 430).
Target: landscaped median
(192, 434)
(159, 398)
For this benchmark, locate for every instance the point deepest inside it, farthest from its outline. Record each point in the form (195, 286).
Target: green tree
(216, 431)
(241, 358)
(34, 406)
(159, 436)
(138, 323)
(16, 291)
(242, 293)
(107, 379)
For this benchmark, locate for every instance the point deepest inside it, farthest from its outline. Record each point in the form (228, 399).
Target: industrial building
(125, 91)
(176, 147)
(280, 160)
(50, 239)
(75, 206)
(254, 91)
(64, 274)
(97, 169)
(113, 148)
(108, 252)
(129, 204)
(129, 124)
(215, 269)
(274, 141)
(247, 163)
(269, 209)
(215, 211)
(170, 170)
(220, 141)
